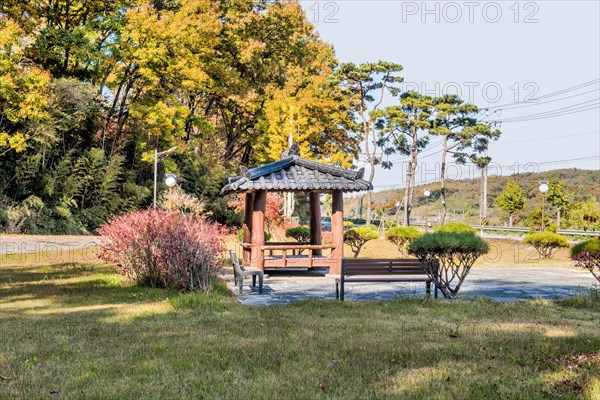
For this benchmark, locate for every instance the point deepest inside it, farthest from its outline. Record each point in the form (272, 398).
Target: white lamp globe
(543, 186)
(171, 180)
(427, 193)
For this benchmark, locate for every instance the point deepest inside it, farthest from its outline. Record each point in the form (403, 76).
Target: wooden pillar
(337, 231)
(257, 257)
(315, 221)
(247, 228)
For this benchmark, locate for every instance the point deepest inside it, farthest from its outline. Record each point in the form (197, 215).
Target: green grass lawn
(78, 331)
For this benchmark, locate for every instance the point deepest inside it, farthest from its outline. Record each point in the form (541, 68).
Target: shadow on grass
(133, 342)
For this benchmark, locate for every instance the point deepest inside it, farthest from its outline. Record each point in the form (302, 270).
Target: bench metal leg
(342, 291)
(428, 289)
(241, 283)
(337, 291)
(260, 283)
(435, 291)
(253, 280)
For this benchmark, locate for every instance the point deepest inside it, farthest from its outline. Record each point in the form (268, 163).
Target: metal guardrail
(520, 229)
(526, 230)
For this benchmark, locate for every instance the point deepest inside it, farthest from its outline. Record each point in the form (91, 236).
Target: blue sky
(494, 54)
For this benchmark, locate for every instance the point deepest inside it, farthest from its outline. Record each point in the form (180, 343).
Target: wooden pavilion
(295, 174)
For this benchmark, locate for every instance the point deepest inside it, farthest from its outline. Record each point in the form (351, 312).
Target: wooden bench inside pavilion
(295, 174)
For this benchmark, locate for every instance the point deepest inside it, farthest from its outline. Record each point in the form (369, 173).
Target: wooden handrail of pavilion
(270, 246)
(291, 246)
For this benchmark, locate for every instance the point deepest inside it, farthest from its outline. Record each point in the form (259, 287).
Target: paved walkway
(499, 284)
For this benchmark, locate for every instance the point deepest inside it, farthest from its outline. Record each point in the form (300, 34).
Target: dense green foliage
(91, 88)
(559, 198)
(546, 243)
(511, 199)
(298, 233)
(456, 227)
(401, 235)
(449, 257)
(357, 237)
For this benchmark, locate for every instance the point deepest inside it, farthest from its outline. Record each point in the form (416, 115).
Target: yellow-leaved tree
(23, 95)
(312, 111)
(170, 51)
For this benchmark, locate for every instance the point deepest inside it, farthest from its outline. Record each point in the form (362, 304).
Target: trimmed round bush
(449, 257)
(401, 235)
(456, 227)
(164, 249)
(546, 243)
(587, 255)
(357, 237)
(298, 233)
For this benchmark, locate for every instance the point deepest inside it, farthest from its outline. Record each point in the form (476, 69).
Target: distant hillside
(463, 196)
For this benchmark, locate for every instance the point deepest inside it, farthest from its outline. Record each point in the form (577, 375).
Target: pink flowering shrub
(164, 249)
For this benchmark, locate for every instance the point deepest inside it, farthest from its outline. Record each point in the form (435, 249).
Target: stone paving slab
(498, 284)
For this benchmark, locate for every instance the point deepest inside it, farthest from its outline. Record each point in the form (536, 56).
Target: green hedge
(402, 235)
(456, 227)
(546, 243)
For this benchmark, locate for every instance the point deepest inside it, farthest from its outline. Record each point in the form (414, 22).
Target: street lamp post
(543, 188)
(426, 193)
(156, 155)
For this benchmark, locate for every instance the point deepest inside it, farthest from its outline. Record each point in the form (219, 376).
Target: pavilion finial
(293, 150)
(360, 173)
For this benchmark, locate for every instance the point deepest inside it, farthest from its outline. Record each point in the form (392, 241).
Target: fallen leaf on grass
(6, 378)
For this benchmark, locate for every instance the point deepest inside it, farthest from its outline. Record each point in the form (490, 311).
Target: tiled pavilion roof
(296, 174)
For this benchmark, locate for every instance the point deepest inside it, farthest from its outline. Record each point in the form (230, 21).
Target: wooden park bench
(382, 270)
(240, 271)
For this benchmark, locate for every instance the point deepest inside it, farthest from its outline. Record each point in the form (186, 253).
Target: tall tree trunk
(410, 179)
(443, 181)
(371, 176)
(558, 218)
(510, 219)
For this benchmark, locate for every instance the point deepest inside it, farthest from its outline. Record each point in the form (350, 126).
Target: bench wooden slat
(380, 260)
(383, 270)
(378, 272)
(390, 279)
